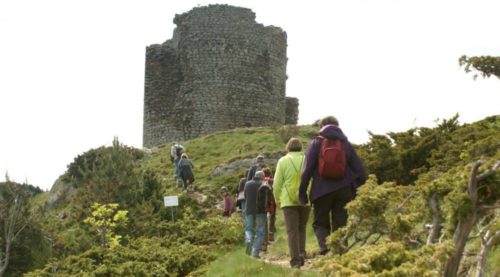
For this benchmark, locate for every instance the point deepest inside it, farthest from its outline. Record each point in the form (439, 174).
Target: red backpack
(331, 162)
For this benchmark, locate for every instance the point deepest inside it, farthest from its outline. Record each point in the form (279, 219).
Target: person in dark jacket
(330, 196)
(240, 196)
(259, 165)
(255, 215)
(186, 171)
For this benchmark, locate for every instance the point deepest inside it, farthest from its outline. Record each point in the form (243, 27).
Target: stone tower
(221, 70)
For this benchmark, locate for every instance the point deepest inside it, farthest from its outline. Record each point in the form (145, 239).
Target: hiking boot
(324, 251)
(295, 264)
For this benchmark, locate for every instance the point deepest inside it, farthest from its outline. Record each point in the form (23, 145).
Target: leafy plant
(105, 219)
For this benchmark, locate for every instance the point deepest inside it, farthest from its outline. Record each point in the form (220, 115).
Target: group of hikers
(325, 177)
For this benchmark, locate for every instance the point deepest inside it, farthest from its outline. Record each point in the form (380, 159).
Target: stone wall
(220, 70)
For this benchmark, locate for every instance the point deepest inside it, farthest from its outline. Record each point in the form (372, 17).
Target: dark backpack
(264, 197)
(331, 163)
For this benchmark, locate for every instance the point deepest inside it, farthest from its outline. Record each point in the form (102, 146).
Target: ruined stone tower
(221, 70)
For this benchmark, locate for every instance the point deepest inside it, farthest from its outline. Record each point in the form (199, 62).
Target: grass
(237, 263)
(280, 246)
(210, 151)
(493, 265)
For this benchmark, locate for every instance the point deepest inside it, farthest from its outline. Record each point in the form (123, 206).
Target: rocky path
(283, 260)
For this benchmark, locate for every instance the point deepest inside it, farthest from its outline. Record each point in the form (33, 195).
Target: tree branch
(489, 172)
(487, 241)
(436, 220)
(489, 207)
(472, 188)
(400, 207)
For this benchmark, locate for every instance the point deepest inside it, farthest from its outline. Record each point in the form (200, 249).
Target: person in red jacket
(228, 202)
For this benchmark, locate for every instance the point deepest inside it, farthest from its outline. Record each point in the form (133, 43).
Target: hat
(260, 158)
(223, 189)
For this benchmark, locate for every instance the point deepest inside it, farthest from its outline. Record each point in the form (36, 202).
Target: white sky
(72, 72)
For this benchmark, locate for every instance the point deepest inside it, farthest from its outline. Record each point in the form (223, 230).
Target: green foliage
(391, 259)
(105, 219)
(385, 235)
(96, 159)
(402, 157)
(142, 257)
(379, 213)
(486, 65)
(214, 230)
(20, 235)
(185, 245)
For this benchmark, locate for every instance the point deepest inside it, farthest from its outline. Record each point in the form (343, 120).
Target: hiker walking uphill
(259, 165)
(186, 171)
(176, 151)
(228, 202)
(337, 172)
(271, 210)
(286, 191)
(255, 215)
(240, 197)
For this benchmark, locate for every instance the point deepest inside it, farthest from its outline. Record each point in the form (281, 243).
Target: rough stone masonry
(221, 70)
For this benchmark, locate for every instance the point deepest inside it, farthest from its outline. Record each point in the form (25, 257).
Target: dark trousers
(272, 222)
(270, 230)
(330, 214)
(295, 221)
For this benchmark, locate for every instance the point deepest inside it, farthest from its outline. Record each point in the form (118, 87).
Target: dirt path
(284, 260)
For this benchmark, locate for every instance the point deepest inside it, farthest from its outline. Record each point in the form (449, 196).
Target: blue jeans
(257, 221)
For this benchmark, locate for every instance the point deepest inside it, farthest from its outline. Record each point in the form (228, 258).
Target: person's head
(267, 172)
(184, 156)
(294, 145)
(223, 190)
(174, 143)
(259, 159)
(259, 175)
(329, 120)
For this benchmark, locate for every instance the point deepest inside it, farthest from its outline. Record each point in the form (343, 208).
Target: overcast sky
(72, 72)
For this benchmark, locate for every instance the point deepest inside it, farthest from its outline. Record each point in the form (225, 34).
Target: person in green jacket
(286, 193)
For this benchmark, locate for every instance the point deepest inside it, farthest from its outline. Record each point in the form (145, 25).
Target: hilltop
(386, 230)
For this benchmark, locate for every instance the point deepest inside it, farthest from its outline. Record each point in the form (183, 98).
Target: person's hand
(303, 199)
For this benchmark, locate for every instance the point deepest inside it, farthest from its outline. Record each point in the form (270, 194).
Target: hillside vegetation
(430, 208)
